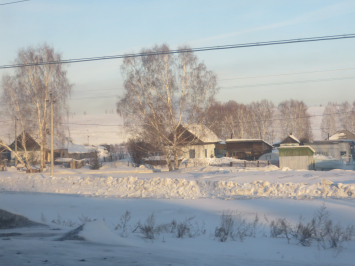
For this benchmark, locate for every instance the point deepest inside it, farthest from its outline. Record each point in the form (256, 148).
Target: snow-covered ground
(203, 192)
(118, 180)
(105, 246)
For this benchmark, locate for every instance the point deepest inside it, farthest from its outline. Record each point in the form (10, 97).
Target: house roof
(292, 137)
(62, 143)
(342, 134)
(330, 141)
(248, 140)
(202, 132)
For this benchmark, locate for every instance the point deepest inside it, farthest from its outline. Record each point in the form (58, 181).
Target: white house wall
(199, 150)
(332, 149)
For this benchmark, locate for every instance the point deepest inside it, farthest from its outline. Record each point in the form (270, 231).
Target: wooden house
(200, 141)
(221, 149)
(290, 140)
(247, 149)
(31, 145)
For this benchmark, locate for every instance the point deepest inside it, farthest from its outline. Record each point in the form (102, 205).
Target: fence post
(230, 164)
(245, 163)
(258, 164)
(268, 162)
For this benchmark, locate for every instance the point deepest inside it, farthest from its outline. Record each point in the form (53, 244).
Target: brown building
(247, 149)
(290, 140)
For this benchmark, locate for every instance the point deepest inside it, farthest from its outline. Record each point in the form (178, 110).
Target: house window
(192, 154)
(205, 153)
(342, 153)
(322, 153)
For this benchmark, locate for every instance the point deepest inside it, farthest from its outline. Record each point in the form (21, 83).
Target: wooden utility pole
(52, 137)
(15, 142)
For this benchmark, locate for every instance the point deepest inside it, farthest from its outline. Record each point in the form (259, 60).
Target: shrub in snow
(62, 222)
(84, 219)
(187, 228)
(233, 225)
(320, 229)
(281, 228)
(123, 224)
(149, 229)
(94, 161)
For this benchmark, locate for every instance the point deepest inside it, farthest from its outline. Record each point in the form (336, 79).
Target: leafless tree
(330, 120)
(294, 118)
(261, 115)
(163, 92)
(27, 94)
(347, 116)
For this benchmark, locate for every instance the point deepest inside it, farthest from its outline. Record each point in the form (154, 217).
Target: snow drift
(132, 187)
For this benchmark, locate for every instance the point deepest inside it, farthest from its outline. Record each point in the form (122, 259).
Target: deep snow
(104, 246)
(202, 192)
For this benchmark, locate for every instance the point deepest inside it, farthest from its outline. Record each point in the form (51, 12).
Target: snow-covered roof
(202, 132)
(294, 138)
(248, 140)
(342, 135)
(76, 148)
(296, 147)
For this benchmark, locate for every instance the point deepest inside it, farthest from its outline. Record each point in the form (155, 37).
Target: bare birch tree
(162, 92)
(330, 120)
(294, 118)
(27, 94)
(261, 114)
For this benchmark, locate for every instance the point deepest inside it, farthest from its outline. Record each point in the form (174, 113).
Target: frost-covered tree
(261, 116)
(294, 118)
(27, 94)
(163, 91)
(330, 121)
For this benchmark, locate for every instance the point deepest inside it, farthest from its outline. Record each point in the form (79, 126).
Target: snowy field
(202, 193)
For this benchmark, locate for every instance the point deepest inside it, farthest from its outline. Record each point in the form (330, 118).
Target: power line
(14, 2)
(231, 87)
(286, 83)
(244, 122)
(293, 73)
(201, 49)
(251, 77)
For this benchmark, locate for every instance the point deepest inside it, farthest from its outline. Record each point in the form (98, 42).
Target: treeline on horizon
(267, 121)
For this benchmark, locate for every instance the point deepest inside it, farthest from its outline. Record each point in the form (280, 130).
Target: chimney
(231, 135)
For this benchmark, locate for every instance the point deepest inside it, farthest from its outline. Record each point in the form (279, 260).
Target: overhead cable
(201, 49)
(14, 2)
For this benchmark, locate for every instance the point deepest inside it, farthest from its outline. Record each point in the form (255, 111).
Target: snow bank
(97, 231)
(209, 161)
(132, 187)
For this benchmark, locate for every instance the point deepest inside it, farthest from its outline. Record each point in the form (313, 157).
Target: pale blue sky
(79, 28)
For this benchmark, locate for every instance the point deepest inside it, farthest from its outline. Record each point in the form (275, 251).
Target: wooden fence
(248, 164)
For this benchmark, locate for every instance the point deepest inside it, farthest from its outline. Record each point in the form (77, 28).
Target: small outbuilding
(247, 149)
(297, 157)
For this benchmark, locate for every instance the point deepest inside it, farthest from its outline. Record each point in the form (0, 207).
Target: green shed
(296, 157)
